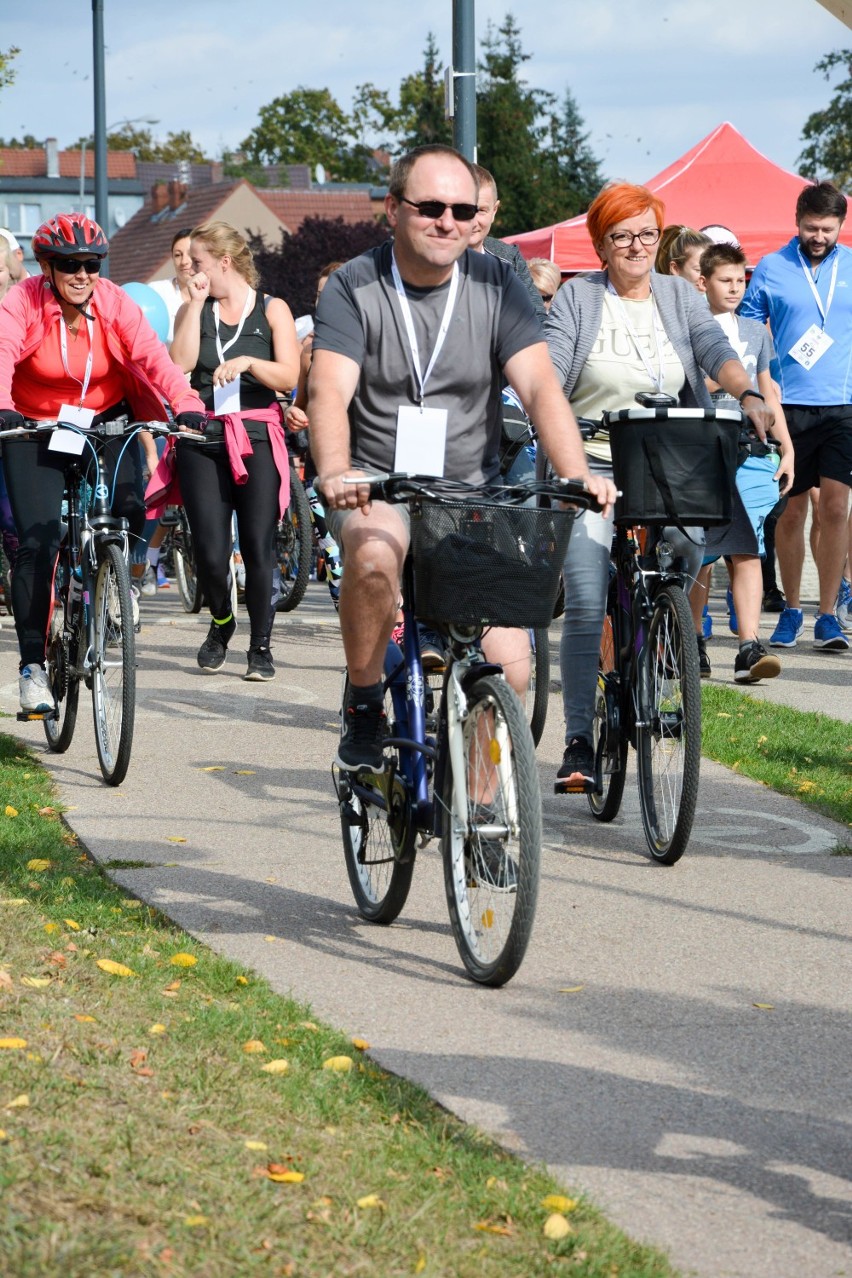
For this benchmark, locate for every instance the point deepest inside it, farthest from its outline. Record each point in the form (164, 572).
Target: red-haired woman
(613, 333)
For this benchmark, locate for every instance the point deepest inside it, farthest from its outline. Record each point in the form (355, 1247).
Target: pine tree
(422, 117)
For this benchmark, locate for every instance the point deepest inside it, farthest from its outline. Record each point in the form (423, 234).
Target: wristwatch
(756, 394)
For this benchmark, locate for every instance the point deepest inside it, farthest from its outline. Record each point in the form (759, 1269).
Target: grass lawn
(163, 1112)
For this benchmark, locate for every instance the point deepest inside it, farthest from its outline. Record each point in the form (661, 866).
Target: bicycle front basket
(477, 563)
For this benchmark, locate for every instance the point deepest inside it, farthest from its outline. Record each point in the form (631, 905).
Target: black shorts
(822, 443)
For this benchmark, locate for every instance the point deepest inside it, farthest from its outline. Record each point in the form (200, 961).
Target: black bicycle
(92, 628)
(294, 544)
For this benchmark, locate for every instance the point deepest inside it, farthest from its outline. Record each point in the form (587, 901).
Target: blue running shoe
(843, 606)
(827, 633)
(791, 623)
(732, 612)
(706, 623)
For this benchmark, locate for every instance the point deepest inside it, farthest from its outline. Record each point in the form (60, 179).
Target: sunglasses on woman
(71, 265)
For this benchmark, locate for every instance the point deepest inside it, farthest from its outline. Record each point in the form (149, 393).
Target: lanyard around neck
(405, 306)
(823, 310)
(220, 349)
(658, 378)
(63, 347)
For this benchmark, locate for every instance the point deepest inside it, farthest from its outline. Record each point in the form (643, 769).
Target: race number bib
(421, 439)
(811, 346)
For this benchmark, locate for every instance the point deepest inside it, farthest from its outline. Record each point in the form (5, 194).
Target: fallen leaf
(361, 1044)
(570, 989)
(144, 1072)
(254, 1045)
(138, 1056)
(175, 838)
(196, 1222)
(172, 987)
(20, 1102)
(50, 928)
(13, 900)
(372, 1200)
(86, 1020)
(489, 1227)
(309, 1025)
(13, 812)
(38, 864)
(114, 969)
(214, 768)
(3, 1135)
(35, 982)
(75, 927)
(130, 903)
(157, 1029)
(257, 1145)
(340, 1064)
(244, 772)
(421, 1263)
(765, 1007)
(183, 960)
(12, 1043)
(6, 982)
(558, 1202)
(286, 1177)
(557, 1227)
(276, 1067)
(242, 980)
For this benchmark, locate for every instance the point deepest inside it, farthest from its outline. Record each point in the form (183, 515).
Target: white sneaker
(147, 583)
(35, 694)
(134, 604)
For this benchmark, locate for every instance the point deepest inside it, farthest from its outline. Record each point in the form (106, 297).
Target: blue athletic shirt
(779, 292)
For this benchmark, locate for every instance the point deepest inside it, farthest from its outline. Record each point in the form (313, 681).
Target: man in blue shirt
(805, 291)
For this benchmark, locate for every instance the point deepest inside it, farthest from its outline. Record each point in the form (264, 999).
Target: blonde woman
(680, 252)
(240, 348)
(547, 278)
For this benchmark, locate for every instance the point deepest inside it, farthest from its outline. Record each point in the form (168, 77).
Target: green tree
(576, 175)
(421, 116)
(7, 71)
(307, 126)
(829, 132)
(177, 146)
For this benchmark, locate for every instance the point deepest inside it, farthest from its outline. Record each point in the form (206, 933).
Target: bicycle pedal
(566, 786)
(35, 716)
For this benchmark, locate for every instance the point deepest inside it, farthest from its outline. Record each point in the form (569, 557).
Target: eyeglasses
(436, 208)
(623, 239)
(546, 297)
(71, 265)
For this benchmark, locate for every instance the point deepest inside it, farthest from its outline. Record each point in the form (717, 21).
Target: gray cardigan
(574, 322)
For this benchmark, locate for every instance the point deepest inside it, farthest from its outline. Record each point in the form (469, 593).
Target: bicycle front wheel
(63, 676)
(539, 689)
(114, 665)
(378, 835)
(669, 734)
(491, 865)
(609, 741)
(294, 545)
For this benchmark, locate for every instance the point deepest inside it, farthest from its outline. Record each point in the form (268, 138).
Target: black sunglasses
(547, 297)
(71, 265)
(435, 209)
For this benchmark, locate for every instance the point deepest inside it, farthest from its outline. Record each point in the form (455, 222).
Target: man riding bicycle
(413, 341)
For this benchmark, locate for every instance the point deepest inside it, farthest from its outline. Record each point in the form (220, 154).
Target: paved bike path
(627, 1053)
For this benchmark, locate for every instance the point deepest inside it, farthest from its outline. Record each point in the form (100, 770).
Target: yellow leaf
(38, 863)
(51, 927)
(721, 715)
(340, 1064)
(286, 1177)
(13, 1042)
(361, 1044)
(130, 903)
(489, 1227)
(494, 750)
(372, 1200)
(13, 812)
(256, 1145)
(2, 1134)
(175, 838)
(157, 1029)
(214, 768)
(421, 1264)
(242, 980)
(309, 1025)
(14, 900)
(195, 1222)
(764, 1007)
(114, 969)
(245, 772)
(276, 1067)
(558, 1202)
(570, 989)
(557, 1227)
(254, 1045)
(20, 1102)
(183, 960)
(35, 982)
(75, 927)
(86, 1020)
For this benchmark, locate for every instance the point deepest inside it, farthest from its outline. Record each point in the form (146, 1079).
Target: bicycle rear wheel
(62, 673)
(669, 738)
(294, 545)
(539, 689)
(491, 867)
(189, 587)
(378, 834)
(610, 747)
(114, 670)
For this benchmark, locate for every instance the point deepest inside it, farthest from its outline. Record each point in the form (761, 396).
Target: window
(23, 219)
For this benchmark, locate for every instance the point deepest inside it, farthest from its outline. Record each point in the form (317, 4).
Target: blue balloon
(153, 307)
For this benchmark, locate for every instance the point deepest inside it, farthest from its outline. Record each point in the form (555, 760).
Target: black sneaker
(487, 863)
(754, 663)
(703, 659)
(212, 653)
(773, 600)
(361, 747)
(431, 649)
(260, 667)
(577, 773)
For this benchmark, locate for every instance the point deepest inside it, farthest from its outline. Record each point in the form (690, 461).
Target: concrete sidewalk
(697, 1120)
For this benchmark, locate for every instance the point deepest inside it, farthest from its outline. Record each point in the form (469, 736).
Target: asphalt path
(698, 1120)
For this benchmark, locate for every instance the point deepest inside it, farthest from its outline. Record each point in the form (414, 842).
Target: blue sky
(650, 79)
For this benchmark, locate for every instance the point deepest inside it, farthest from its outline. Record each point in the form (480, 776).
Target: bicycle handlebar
(118, 427)
(399, 486)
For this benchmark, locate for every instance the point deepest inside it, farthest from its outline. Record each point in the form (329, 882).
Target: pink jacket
(30, 311)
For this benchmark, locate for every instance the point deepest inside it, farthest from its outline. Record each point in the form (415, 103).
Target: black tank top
(255, 341)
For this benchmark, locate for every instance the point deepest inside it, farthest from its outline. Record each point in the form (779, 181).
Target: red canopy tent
(723, 180)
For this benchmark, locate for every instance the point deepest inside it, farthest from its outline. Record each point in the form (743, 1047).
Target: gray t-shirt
(359, 316)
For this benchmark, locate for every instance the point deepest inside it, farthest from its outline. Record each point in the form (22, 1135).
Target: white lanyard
(422, 378)
(659, 336)
(63, 347)
(823, 310)
(220, 349)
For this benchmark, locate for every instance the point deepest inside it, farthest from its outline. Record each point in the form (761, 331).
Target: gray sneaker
(361, 747)
(35, 694)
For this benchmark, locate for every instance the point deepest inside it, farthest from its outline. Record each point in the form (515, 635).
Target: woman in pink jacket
(76, 347)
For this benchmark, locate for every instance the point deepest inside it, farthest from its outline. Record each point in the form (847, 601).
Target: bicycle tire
(378, 838)
(293, 546)
(539, 689)
(189, 587)
(669, 738)
(492, 924)
(113, 681)
(62, 658)
(606, 805)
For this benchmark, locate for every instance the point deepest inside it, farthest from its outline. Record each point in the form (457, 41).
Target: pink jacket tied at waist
(164, 489)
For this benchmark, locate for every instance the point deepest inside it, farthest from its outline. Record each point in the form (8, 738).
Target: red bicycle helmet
(68, 234)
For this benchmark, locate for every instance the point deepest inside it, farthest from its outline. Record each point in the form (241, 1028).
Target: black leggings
(210, 496)
(35, 478)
